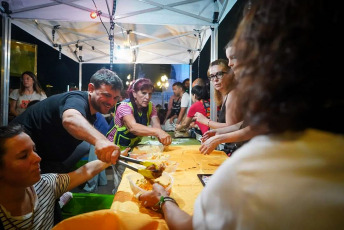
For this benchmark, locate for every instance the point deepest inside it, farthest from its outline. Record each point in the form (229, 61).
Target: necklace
(32, 218)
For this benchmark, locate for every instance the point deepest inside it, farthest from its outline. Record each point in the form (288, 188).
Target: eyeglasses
(218, 76)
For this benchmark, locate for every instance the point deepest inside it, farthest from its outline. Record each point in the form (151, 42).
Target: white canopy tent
(141, 31)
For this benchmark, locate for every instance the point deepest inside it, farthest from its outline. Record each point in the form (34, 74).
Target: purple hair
(139, 84)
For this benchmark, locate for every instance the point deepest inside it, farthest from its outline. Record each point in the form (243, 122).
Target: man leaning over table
(61, 122)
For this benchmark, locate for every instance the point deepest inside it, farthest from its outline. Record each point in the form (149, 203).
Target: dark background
(60, 73)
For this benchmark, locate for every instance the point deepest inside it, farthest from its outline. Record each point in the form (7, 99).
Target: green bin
(86, 202)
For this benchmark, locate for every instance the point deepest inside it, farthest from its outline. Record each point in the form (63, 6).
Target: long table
(186, 186)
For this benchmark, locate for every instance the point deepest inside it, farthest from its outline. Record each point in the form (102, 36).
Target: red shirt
(198, 107)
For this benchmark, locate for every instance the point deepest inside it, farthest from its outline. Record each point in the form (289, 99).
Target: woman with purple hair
(132, 118)
(134, 115)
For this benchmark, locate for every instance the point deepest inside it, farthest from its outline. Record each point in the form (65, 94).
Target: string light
(93, 15)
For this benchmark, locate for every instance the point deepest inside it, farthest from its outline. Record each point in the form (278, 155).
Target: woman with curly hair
(292, 177)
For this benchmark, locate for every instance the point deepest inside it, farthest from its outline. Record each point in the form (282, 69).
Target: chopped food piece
(148, 184)
(156, 169)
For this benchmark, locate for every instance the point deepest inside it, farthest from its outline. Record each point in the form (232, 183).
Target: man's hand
(208, 134)
(179, 127)
(164, 138)
(107, 151)
(210, 145)
(172, 119)
(201, 118)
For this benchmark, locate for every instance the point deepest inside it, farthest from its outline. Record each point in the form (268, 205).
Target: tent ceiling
(145, 31)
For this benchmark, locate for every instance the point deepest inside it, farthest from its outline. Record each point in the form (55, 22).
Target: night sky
(60, 73)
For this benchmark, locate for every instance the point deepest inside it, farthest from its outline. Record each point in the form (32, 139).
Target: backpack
(206, 105)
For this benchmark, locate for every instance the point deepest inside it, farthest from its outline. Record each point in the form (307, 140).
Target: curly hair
(288, 73)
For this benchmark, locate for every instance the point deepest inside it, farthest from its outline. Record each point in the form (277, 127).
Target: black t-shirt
(175, 107)
(43, 122)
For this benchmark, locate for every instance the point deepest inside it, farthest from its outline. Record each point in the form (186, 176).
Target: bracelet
(208, 123)
(162, 200)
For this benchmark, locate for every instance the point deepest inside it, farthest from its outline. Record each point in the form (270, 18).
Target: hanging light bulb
(93, 15)
(163, 78)
(158, 83)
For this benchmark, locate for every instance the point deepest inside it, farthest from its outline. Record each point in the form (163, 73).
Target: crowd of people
(274, 111)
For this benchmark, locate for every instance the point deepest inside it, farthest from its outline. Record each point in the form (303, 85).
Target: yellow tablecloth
(186, 186)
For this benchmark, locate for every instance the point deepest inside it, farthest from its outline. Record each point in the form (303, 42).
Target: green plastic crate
(80, 163)
(86, 202)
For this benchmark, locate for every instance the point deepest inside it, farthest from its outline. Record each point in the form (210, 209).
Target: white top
(185, 102)
(23, 100)
(290, 181)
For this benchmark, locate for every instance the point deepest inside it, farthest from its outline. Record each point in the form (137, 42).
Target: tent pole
(134, 74)
(213, 57)
(190, 80)
(80, 75)
(5, 68)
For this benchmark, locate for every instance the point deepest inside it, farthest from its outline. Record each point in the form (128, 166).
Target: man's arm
(185, 124)
(80, 128)
(181, 114)
(169, 109)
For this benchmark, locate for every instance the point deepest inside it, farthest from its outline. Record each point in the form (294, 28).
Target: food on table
(148, 184)
(151, 148)
(151, 152)
(156, 169)
(136, 179)
(158, 156)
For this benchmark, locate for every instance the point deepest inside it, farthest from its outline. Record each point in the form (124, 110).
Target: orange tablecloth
(186, 186)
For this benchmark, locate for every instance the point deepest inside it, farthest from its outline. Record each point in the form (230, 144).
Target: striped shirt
(45, 191)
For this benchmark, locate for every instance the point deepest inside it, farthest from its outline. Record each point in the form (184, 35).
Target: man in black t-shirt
(58, 124)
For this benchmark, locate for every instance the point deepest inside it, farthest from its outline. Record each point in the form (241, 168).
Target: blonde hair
(218, 96)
